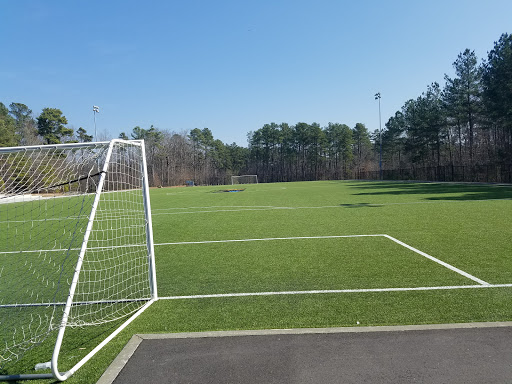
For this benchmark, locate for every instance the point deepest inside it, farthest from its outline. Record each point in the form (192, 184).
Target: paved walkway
(458, 353)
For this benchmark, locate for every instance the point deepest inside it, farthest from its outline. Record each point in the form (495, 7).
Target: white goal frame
(151, 294)
(244, 179)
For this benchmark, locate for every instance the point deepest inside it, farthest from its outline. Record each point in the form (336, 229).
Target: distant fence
(477, 173)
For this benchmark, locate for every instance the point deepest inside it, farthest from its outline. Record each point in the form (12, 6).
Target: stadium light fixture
(377, 97)
(95, 110)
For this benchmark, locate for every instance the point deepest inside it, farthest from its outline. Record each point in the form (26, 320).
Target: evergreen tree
(362, 145)
(51, 126)
(497, 92)
(82, 136)
(26, 128)
(462, 96)
(8, 137)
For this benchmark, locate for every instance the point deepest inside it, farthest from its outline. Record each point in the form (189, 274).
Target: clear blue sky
(233, 66)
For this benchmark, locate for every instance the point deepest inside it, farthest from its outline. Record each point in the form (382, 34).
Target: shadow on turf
(463, 191)
(360, 205)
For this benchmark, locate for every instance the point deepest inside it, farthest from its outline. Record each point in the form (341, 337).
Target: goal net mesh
(244, 179)
(46, 203)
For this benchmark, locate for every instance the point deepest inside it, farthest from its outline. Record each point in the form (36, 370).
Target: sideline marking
(368, 290)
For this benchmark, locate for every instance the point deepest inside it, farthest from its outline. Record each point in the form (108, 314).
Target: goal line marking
(368, 290)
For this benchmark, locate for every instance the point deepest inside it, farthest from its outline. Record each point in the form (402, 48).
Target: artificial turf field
(283, 245)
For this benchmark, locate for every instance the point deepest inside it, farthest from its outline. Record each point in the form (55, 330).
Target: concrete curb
(124, 356)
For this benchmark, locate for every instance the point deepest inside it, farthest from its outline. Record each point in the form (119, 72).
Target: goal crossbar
(68, 146)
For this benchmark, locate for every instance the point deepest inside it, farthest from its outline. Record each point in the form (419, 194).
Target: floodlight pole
(377, 97)
(95, 110)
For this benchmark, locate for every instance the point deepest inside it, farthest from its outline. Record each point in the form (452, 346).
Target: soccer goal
(76, 246)
(244, 179)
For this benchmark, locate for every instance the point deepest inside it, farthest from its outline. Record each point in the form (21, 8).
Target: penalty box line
(267, 239)
(312, 292)
(440, 262)
(432, 258)
(185, 242)
(449, 266)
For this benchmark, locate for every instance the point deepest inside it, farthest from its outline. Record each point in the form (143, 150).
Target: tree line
(461, 131)
(175, 158)
(275, 152)
(449, 132)
(464, 126)
(309, 152)
(19, 127)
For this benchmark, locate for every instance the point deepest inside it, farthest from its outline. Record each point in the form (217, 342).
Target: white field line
(446, 265)
(432, 258)
(267, 239)
(230, 210)
(41, 220)
(75, 249)
(190, 242)
(214, 209)
(449, 266)
(368, 290)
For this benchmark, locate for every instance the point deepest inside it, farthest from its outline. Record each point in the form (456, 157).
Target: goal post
(244, 179)
(76, 245)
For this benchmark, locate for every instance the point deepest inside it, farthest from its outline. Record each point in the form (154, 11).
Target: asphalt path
(457, 353)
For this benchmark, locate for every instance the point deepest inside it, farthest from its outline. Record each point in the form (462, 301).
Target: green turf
(297, 265)
(468, 226)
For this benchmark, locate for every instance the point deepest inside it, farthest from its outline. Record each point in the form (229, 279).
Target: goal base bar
(65, 375)
(29, 376)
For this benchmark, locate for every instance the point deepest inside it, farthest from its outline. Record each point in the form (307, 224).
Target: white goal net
(244, 179)
(75, 241)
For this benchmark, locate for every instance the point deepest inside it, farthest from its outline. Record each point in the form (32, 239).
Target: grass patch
(297, 265)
